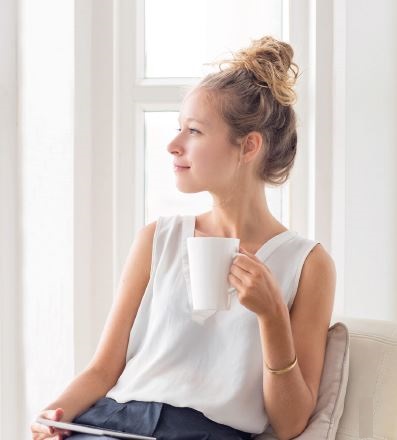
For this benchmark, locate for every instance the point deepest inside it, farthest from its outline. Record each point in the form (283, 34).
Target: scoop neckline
(264, 250)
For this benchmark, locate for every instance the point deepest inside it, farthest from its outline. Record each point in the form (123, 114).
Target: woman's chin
(188, 189)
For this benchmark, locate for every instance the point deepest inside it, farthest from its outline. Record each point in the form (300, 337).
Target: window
(177, 39)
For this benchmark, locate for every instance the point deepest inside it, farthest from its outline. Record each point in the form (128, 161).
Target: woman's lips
(179, 169)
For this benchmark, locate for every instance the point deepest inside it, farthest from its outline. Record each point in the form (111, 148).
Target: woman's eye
(191, 129)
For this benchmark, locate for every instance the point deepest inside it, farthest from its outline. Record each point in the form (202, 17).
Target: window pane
(181, 35)
(162, 197)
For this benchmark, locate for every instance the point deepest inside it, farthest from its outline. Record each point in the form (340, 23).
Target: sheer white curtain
(46, 102)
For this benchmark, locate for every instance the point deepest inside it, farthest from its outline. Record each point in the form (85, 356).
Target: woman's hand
(257, 289)
(44, 432)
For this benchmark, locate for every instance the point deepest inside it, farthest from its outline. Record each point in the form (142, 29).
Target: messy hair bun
(255, 93)
(270, 63)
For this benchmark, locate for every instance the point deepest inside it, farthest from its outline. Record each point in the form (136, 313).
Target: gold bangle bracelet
(283, 370)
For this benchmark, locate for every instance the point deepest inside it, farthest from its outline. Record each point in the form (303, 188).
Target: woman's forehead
(196, 107)
(194, 118)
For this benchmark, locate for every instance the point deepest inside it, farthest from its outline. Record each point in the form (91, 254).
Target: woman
(156, 371)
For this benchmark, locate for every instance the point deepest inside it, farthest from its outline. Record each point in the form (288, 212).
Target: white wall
(11, 351)
(344, 183)
(371, 160)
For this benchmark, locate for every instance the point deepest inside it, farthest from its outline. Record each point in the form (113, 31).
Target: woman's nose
(174, 147)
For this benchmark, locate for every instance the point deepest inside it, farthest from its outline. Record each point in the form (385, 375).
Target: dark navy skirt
(155, 419)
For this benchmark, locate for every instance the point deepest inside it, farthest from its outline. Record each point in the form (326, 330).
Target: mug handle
(232, 290)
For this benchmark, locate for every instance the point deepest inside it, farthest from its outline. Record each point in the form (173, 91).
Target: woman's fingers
(44, 432)
(41, 429)
(52, 414)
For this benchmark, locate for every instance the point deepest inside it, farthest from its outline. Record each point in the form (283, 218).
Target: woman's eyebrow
(204, 122)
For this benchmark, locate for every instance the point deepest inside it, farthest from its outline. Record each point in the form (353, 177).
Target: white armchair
(369, 410)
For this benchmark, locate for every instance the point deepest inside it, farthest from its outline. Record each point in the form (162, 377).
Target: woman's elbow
(291, 434)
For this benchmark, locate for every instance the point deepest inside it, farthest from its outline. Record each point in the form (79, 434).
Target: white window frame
(135, 95)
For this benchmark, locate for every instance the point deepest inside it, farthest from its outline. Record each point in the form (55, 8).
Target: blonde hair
(255, 93)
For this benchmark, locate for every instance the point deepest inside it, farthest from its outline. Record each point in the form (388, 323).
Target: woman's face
(202, 145)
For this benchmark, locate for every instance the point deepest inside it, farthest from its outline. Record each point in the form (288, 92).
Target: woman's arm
(290, 398)
(108, 362)
(84, 390)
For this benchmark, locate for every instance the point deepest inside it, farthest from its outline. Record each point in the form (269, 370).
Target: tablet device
(87, 429)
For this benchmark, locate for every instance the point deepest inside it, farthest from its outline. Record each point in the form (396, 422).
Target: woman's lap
(155, 419)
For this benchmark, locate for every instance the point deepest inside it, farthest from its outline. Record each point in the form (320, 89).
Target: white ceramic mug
(210, 259)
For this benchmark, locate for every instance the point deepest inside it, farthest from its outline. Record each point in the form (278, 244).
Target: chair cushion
(371, 398)
(323, 423)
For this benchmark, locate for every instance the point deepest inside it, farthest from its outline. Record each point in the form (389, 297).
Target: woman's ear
(252, 145)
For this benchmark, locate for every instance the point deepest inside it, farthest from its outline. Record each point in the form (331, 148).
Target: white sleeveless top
(216, 366)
